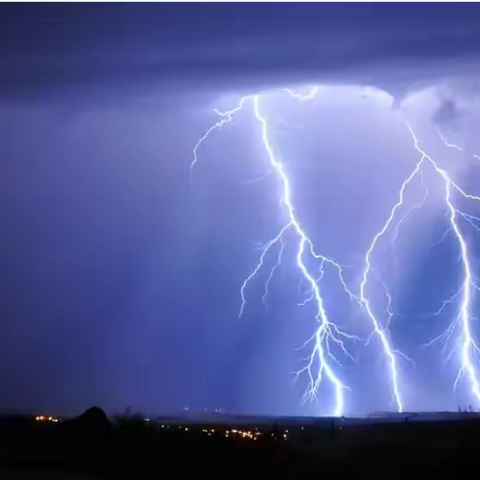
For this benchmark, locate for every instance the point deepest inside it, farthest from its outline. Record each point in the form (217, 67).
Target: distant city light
(43, 418)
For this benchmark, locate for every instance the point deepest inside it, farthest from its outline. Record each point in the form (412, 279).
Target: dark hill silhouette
(94, 416)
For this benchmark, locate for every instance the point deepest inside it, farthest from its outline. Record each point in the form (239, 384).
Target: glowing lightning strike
(226, 117)
(272, 271)
(319, 365)
(327, 331)
(468, 342)
(312, 93)
(410, 213)
(447, 143)
(269, 245)
(453, 145)
(378, 330)
(469, 345)
(413, 210)
(327, 334)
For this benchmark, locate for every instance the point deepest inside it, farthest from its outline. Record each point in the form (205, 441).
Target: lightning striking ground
(328, 335)
(327, 332)
(469, 347)
(391, 354)
(329, 339)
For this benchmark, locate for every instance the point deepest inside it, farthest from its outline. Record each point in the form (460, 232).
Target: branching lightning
(259, 265)
(447, 142)
(272, 271)
(469, 348)
(453, 145)
(311, 94)
(225, 118)
(328, 335)
(329, 340)
(380, 332)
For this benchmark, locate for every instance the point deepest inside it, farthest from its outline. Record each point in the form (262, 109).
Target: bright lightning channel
(381, 333)
(225, 118)
(468, 345)
(310, 95)
(327, 331)
(328, 334)
(272, 271)
(391, 354)
(447, 142)
(453, 145)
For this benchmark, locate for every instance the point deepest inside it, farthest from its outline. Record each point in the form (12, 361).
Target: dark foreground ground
(93, 447)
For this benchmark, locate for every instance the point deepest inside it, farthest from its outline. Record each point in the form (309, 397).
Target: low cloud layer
(50, 50)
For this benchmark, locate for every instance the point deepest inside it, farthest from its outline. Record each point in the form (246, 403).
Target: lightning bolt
(453, 145)
(310, 95)
(259, 265)
(469, 348)
(225, 118)
(272, 271)
(382, 334)
(409, 215)
(328, 339)
(447, 143)
(328, 335)
(327, 331)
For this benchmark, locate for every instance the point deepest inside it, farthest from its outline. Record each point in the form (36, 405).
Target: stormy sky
(121, 269)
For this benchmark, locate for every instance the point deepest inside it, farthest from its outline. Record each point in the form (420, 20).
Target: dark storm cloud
(51, 48)
(446, 112)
